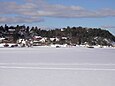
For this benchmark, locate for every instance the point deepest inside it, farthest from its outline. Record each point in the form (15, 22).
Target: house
(1, 39)
(9, 35)
(54, 39)
(38, 40)
(65, 38)
(43, 40)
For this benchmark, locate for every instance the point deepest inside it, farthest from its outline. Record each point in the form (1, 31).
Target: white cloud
(108, 26)
(40, 8)
(20, 19)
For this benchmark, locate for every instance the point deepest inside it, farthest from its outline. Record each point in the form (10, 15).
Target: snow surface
(50, 66)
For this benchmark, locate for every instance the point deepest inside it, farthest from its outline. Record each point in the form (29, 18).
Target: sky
(59, 13)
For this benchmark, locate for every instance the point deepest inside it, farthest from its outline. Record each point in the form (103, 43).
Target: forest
(75, 35)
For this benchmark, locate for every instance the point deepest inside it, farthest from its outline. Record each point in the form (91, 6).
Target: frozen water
(73, 55)
(49, 66)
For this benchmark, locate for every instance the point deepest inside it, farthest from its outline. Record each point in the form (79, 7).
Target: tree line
(74, 35)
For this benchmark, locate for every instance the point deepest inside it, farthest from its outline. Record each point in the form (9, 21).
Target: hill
(69, 35)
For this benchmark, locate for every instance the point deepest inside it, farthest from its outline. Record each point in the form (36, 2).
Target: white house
(64, 38)
(37, 37)
(43, 39)
(1, 39)
(56, 39)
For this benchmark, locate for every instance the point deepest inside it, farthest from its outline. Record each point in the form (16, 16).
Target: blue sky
(59, 13)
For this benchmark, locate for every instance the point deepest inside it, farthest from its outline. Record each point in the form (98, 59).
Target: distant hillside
(73, 35)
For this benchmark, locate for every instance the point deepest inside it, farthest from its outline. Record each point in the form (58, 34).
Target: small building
(54, 39)
(38, 40)
(1, 39)
(65, 38)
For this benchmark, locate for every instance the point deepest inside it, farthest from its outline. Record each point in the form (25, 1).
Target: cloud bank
(35, 10)
(108, 26)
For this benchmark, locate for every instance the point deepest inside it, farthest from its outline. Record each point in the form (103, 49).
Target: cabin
(39, 41)
(54, 39)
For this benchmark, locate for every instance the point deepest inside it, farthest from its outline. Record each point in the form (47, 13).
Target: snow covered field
(49, 66)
